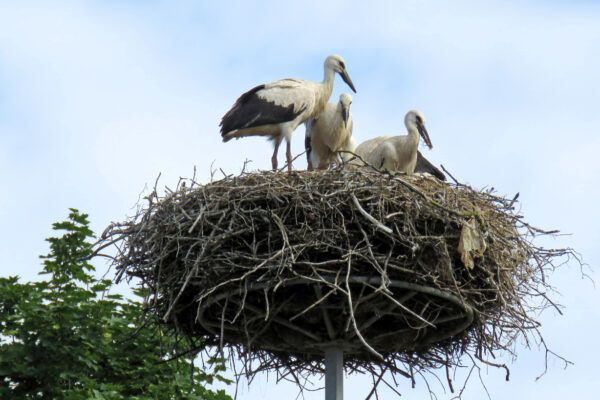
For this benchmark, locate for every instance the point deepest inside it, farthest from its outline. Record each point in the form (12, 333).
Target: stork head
(337, 64)
(415, 119)
(345, 102)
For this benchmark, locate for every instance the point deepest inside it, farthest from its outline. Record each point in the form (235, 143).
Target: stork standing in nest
(276, 109)
(397, 153)
(328, 133)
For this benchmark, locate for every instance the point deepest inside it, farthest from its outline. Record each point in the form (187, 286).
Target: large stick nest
(403, 273)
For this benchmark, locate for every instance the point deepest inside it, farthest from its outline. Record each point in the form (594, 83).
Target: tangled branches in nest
(404, 273)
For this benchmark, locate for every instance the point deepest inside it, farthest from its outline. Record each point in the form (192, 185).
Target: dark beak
(347, 79)
(424, 134)
(346, 115)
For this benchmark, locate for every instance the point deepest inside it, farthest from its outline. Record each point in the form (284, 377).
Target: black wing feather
(307, 145)
(423, 165)
(250, 111)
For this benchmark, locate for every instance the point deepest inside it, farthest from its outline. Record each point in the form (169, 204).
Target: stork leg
(338, 159)
(274, 158)
(288, 154)
(309, 164)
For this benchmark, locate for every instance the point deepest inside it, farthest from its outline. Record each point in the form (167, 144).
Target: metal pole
(334, 374)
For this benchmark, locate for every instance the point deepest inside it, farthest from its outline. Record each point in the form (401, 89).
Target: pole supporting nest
(334, 373)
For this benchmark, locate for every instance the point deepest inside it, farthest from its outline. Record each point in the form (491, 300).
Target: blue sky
(98, 98)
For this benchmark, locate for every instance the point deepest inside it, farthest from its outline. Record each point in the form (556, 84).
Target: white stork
(397, 153)
(328, 133)
(276, 109)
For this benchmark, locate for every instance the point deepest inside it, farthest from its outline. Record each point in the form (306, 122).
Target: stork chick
(276, 109)
(397, 153)
(328, 133)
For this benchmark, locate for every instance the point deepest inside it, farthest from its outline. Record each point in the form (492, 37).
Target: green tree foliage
(65, 338)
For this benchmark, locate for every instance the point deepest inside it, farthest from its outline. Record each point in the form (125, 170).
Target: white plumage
(397, 153)
(276, 109)
(328, 133)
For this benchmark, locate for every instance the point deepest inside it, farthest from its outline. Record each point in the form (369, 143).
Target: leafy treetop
(65, 338)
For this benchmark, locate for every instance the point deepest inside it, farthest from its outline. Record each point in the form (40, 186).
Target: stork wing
(272, 103)
(308, 142)
(309, 127)
(423, 165)
(366, 148)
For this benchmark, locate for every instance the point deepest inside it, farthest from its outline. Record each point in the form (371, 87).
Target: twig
(449, 174)
(365, 214)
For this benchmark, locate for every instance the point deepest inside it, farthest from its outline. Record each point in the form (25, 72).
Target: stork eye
(342, 65)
